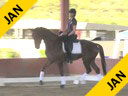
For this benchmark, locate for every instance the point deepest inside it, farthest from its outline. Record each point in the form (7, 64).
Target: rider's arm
(64, 32)
(73, 31)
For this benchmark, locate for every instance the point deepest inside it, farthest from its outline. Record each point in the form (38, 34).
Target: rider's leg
(70, 47)
(70, 51)
(67, 50)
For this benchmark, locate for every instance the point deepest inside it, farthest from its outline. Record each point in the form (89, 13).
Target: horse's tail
(101, 51)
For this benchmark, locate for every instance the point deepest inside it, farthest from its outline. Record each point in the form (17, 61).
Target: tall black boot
(70, 57)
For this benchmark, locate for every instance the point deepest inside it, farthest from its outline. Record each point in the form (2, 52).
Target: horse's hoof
(41, 82)
(83, 82)
(99, 77)
(62, 86)
(76, 82)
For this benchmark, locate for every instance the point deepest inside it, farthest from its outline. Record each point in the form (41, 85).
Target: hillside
(94, 11)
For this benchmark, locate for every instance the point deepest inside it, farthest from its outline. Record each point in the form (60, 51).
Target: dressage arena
(25, 80)
(50, 89)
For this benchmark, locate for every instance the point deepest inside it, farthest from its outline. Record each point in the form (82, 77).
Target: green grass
(94, 11)
(8, 53)
(42, 54)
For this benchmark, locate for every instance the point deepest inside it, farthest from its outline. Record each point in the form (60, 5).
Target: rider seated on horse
(70, 34)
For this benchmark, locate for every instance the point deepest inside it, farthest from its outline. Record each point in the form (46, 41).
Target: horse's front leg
(41, 77)
(61, 70)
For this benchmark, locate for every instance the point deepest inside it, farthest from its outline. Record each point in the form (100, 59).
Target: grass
(94, 11)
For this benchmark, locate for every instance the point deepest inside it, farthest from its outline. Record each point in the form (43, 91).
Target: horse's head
(38, 34)
(42, 33)
(37, 42)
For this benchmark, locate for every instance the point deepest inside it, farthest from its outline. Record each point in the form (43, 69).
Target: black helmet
(72, 11)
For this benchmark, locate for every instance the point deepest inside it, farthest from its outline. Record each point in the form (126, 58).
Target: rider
(70, 32)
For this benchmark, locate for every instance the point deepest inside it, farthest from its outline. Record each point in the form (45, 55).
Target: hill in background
(94, 11)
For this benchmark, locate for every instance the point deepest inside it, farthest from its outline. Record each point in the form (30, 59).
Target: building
(22, 29)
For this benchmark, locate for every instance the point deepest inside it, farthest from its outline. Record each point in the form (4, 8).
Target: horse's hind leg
(96, 69)
(87, 66)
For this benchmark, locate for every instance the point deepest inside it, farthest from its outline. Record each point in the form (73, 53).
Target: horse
(56, 54)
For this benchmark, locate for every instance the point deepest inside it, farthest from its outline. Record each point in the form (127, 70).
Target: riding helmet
(72, 11)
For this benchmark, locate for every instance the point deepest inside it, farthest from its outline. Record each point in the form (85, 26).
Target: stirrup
(70, 61)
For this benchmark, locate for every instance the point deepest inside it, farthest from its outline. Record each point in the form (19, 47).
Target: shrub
(8, 53)
(42, 54)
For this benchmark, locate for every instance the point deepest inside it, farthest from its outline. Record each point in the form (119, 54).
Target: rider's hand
(64, 33)
(61, 34)
(71, 33)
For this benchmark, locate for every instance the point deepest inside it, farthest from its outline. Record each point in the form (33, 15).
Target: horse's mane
(40, 31)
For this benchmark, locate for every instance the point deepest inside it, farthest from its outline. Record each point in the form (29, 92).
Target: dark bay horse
(56, 55)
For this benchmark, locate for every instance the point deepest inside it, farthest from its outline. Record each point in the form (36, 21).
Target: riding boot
(69, 56)
(70, 47)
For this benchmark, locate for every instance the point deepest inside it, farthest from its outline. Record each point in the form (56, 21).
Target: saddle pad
(76, 48)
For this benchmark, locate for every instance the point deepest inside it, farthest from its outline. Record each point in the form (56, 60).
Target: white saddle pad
(76, 48)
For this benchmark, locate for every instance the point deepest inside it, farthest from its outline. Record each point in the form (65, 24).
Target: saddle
(75, 46)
